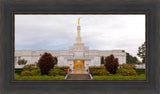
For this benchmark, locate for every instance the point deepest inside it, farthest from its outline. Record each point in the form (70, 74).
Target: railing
(90, 74)
(68, 72)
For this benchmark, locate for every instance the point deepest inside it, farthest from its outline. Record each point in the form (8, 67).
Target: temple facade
(78, 56)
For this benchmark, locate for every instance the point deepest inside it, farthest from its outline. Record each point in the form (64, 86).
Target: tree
(111, 64)
(131, 59)
(22, 62)
(55, 60)
(142, 52)
(45, 63)
(102, 60)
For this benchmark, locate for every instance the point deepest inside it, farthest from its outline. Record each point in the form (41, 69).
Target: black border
(150, 86)
(77, 13)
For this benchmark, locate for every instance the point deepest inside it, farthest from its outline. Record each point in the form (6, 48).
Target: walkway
(78, 74)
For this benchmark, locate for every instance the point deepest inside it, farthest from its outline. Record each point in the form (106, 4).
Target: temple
(76, 57)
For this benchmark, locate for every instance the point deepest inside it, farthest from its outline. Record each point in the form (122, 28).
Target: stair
(78, 77)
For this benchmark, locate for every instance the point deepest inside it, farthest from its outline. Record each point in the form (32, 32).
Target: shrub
(95, 73)
(29, 67)
(103, 72)
(128, 66)
(96, 67)
(127, 72)
(63, 73)
(22, 62)
(36, 72)
(111, 64)
(63, 67)
(100, 72)
(54, 72)
(26, 73)
(140, 71)
(45, 63)
(18, 71)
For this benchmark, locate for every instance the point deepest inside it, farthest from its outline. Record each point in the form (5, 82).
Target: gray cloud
(58, 32)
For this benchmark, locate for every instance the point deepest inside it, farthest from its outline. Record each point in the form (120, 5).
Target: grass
(119, 77)
(18, 77)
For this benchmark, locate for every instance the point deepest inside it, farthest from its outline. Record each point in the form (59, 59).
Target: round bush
(54, 72)
(103, 72)
(127, 72)
(36, 72)
(29, 67)
(46, 63)
(26, 73)
(128, 66)
(111, 64)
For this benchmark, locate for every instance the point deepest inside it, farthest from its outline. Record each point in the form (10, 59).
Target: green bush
(26, 73)
(63, 73)
(62, 67)
(100, 72)
(54, 72)
(18, 71)
(128, 66)
(36, 72)
(29, 67)
(140, 71)
(97, 67)
(103, 72)
(95, 73)
(22, 62)
(127, 72)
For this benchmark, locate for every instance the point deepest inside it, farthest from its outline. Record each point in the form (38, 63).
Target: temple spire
(78, 21)
(78, 39)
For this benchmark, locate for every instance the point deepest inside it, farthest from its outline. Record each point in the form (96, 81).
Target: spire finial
(78, 20)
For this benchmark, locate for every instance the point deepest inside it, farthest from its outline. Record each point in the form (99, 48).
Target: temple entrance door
(78, 64)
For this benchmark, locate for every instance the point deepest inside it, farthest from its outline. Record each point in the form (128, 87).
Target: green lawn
(119, 77)
(18, 77)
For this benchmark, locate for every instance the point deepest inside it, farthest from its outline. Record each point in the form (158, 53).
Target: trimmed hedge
(18, 71)
(62, 67)
(96, 67)
(140, 71)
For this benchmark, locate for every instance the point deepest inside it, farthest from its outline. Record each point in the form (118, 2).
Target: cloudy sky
(99, 32)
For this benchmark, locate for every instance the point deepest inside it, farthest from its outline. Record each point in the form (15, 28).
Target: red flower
(65, 69)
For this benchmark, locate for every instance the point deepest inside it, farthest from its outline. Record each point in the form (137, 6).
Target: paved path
(79, 75)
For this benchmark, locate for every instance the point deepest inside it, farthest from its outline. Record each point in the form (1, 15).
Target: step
(78, 77)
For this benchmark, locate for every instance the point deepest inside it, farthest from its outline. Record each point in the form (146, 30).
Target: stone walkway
(78, 75)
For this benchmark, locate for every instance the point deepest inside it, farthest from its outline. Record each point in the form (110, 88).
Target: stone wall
(66, 57)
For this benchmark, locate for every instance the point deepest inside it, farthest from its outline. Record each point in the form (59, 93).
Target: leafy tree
(142, 52)
(111, 64)
(131, 59)
(102, 60)
(45, 63)
(55, 60)
(22, 62)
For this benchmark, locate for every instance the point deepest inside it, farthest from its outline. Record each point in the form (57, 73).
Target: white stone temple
(76, 57)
